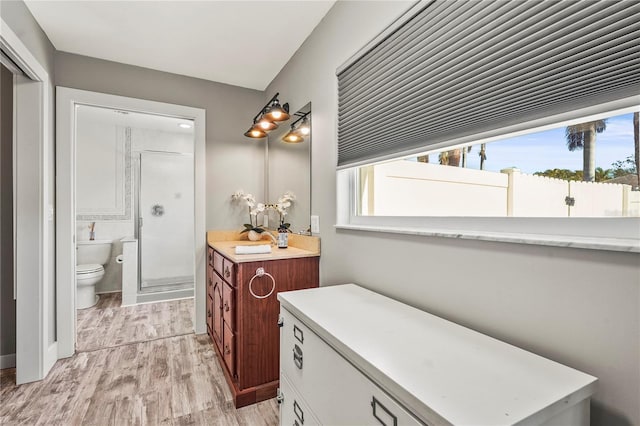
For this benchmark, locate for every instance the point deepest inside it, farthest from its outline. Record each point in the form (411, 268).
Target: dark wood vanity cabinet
(244, 328)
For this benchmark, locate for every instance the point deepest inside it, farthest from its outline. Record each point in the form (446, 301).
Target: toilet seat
(89, 269)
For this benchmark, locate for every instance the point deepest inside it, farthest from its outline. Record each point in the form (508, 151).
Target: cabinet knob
(209, 313)
(227, 273)
(226, 306)
(210, 282)
(227, 351)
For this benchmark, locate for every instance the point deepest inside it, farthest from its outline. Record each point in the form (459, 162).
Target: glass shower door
(166, 221)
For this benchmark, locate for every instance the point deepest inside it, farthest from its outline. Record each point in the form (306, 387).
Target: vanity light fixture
(255, 132)
(297, 133)
(266, 119)
(184, 125)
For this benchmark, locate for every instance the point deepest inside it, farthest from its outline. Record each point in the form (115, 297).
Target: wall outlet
(315, 224)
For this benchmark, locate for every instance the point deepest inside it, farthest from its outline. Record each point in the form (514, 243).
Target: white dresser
(349, 356)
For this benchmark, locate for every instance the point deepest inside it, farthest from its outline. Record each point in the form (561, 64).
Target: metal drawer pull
(298, 411)
(297, 356)
(226, 306)
(297, 333)
(227, 273)
(385, 413)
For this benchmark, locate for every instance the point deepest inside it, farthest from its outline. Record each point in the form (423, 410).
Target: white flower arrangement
(284, 202)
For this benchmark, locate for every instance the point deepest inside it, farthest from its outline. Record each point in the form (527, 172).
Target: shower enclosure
(165, 228)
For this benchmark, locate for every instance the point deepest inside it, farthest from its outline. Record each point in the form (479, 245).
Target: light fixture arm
(264, 108)
(301, 117)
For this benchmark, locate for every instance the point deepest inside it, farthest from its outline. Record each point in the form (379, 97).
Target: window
(450, 76)
(576, 170)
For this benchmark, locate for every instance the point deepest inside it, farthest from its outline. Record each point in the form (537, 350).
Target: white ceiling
(243, 43)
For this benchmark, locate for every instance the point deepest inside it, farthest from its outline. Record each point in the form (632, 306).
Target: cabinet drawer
(293, 409)
(218, 261)
(229, 272)
(228, 306)
(337, 392)
(210, 256)
(229, 349)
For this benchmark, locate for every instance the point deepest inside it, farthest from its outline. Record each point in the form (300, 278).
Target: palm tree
(483, 155)
(636, 143)
(583, 136)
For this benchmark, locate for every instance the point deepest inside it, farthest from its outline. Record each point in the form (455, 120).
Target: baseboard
(7, 361)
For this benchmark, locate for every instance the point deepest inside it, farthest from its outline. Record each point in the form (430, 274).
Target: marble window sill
(631, 245)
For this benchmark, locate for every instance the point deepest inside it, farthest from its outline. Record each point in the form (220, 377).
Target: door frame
(36, 348)
(66, 100)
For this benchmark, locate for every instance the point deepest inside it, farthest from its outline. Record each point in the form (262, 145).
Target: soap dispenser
(283, 236)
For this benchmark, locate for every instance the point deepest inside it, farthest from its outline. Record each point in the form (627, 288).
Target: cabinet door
(228, 306)
(229, 349)
(314, 369)
(217, 310)
(210, 316)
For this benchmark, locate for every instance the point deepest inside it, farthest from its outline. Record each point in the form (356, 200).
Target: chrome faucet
(274, 242)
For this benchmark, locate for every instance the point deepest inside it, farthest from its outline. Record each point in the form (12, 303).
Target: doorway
(68, 102)
(33, 177)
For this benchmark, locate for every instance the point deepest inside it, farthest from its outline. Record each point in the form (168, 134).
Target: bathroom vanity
(349, 356)
(242, 307)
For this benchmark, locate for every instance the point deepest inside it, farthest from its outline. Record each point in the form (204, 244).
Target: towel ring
(260, 273)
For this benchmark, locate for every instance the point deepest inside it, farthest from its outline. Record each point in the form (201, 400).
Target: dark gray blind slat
(459, 68)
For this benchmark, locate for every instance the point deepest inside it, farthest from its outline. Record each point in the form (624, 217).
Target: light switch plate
(315, 224)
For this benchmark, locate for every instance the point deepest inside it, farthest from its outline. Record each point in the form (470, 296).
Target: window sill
(630, 245)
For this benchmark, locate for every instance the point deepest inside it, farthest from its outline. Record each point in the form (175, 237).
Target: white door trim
(66, 100)
(34, 354)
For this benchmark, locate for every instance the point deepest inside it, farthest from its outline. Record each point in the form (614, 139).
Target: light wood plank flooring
(107, 324)
(167, 381)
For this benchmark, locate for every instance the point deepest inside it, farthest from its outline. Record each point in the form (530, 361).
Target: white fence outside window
(405, 188)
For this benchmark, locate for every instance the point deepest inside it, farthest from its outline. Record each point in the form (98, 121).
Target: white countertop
(441, 371)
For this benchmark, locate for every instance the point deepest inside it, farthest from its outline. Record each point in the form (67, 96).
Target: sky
(548, 150)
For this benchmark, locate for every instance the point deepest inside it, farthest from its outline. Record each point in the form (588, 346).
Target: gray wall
(233, 161)
(16, 15)
(577, 307)
(7, 304)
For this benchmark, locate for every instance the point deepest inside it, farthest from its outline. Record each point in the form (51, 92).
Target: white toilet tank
(90, 252)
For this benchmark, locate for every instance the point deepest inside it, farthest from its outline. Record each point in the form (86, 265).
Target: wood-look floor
(167, 381)
(107, 324)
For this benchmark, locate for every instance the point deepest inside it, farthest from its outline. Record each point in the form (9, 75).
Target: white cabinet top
(441, 371)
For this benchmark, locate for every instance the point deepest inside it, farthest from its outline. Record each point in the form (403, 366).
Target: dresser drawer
(293, 409)
(218, 262)
(228, 306)
(338, 392)
(229, 349)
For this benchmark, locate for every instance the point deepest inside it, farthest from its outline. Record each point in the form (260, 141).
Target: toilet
(91, 256)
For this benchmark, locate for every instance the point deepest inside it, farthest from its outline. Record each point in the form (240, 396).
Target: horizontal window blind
(459, 68)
